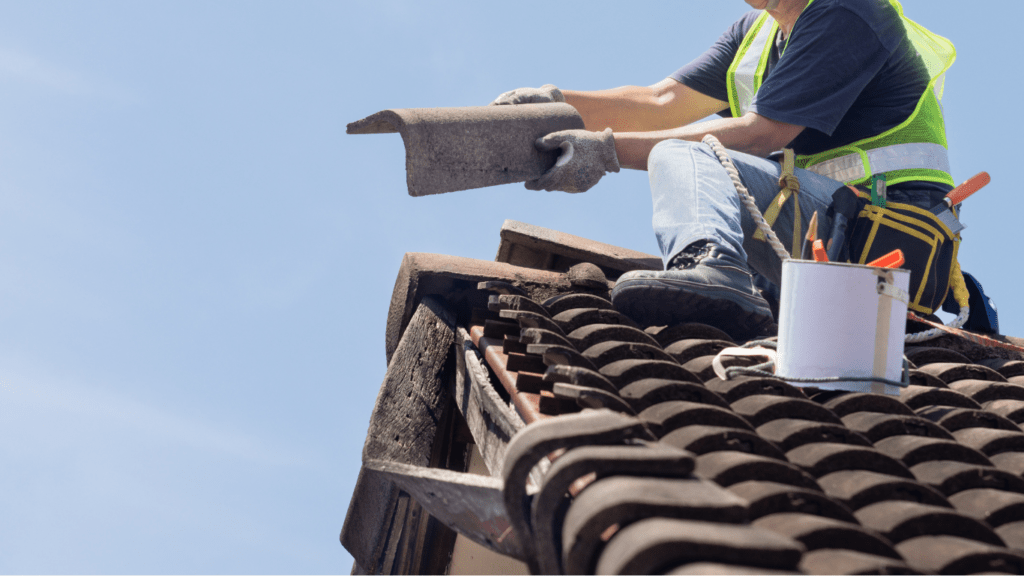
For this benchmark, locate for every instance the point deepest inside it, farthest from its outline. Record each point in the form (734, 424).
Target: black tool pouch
(928, 247)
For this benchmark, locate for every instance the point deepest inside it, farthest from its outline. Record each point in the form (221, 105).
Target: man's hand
(585, 158)
(546, 94)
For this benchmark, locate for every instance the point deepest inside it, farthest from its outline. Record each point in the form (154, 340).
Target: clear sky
(196, 262)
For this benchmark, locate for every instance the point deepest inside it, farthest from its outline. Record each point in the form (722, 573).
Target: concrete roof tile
(1012, 410)
(743, 386)
(622, 500)
(586, 336)
(1013, 534)
(990, 441)
(950, 477)
(667, 335)
(703, 367)
(702, 439)
(991, 506)
(832, 561)
(825, 458)
(875, 426)
(689, 348)
(860, 488)
(764, 498)
(728, 468)
(558, 304)
(642, 394)
(1008, 368)
(575, 318)
(817, 532)
(913, 450)
(482, 145)
(625, 372)
(667, 416)
(764, 408)
(659, 544)
(1012, 462)
(982, 391)
(788, 433)
(604, 353)
(900, 520)
(921, 355)
(920, 397)
(719, 568)
(849, 403)
(953, 555)
(953, 371)
(919, 378)
(954, 419)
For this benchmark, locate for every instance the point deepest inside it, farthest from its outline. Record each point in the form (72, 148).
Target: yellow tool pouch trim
(928, 246)
(790, 187)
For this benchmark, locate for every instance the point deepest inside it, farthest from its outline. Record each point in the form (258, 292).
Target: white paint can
(840, 319)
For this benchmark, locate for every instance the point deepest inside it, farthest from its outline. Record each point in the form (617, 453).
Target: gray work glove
(546, 94)
(585, 158)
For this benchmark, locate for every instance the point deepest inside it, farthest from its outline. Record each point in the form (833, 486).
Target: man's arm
(662, 106)
(642, 116)
(753, 134)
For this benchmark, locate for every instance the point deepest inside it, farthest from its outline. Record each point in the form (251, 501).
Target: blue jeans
(694, 199)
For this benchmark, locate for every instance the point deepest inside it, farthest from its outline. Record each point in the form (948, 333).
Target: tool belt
(928, 245)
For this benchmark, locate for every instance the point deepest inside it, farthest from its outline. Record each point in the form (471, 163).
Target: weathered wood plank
(536, 247)
(408, 417)
(491, 421)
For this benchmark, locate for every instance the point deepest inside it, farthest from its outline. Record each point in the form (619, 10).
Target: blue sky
(196, 262)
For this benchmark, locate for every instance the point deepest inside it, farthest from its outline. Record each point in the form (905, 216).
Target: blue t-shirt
(849, 72)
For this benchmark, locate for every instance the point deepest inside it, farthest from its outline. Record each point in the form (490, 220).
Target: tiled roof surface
(659, 466)
(783, 478)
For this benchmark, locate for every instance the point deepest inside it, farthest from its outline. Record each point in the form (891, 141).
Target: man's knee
(671, 150)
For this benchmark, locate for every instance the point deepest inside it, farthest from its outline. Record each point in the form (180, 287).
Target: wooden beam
(413, 422)
(491, 421)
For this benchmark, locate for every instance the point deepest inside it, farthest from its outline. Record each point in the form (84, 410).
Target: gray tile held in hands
(451, 149)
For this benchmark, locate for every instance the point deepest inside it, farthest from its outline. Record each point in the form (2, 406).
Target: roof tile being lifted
(784, 478)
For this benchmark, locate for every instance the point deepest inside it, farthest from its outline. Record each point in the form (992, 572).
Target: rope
(767, 370)
(971, 336)
(745, 197)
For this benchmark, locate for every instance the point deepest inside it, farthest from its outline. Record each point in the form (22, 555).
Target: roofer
(851, 85)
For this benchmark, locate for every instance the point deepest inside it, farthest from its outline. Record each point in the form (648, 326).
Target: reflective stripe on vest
(925, 153)
(747, 70)
(851, 167)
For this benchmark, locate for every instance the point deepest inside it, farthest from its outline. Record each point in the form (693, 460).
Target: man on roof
(852, 86)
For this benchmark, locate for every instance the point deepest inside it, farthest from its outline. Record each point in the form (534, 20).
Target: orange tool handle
(893, 259)
(819, 251)
(972, 185)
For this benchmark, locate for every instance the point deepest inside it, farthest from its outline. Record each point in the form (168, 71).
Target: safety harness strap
(790, 186)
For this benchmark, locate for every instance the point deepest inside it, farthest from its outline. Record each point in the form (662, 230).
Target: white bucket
(842, 320)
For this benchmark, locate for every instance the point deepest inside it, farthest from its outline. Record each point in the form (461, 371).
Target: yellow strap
(790, 186)
(960, 293)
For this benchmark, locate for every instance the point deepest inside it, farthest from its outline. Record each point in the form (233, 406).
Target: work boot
(705, 283)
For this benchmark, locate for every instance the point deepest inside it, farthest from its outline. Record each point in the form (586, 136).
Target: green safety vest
(914, 150)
